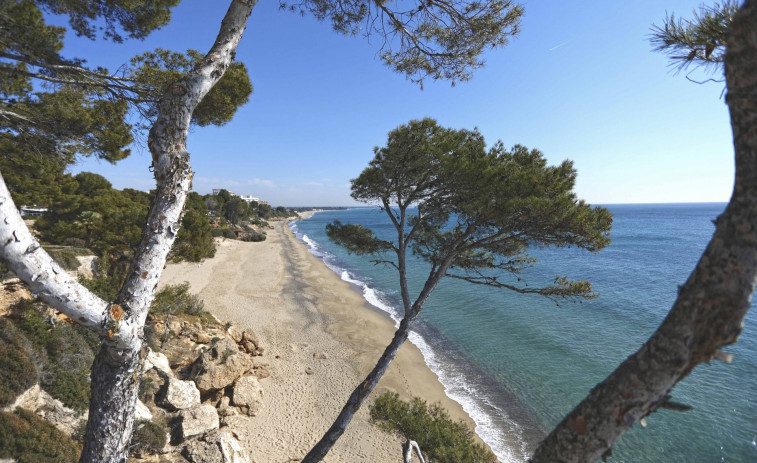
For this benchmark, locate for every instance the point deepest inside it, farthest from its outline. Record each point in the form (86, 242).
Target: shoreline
(308, 319)
(492, 412)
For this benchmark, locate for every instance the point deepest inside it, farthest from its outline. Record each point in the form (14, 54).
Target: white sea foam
(454, 383)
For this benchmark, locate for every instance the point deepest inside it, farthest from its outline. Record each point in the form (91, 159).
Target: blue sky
(579, 82)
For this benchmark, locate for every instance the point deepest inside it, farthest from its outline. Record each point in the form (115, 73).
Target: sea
(519, 363)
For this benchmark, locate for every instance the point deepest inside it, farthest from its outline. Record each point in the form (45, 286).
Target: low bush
(226, 233)
(17, 370)
(254, 236)
(27, 438)
(66, 258)
(148, 437)
(216, 232)
(439, 437)
(176, 300)
(65, 355)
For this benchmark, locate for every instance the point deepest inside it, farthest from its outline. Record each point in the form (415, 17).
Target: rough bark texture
(711, 305)
(46, 279)
(115, 373)
(115, 376)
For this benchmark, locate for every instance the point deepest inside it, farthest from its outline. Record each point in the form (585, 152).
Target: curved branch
(46, 279)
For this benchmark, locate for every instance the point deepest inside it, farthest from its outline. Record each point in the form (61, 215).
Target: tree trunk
(407, 451)
(116, 370)
(115, 384)
(359, 395)
(709, 311)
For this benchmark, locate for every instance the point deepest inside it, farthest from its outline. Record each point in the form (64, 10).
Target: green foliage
(195, 239)
(479, 210)
(235, 210)
(104, 285)
(136, 18)
(440, 438)
(66, 258)
(17, 369)
(440, 40)
(356, 238)
(226, 233)
(65, 354)
(699, 41)
(27, 438)
(177, 300)
(254, 236)
(148, 437)
(157, 70)
(107, 220)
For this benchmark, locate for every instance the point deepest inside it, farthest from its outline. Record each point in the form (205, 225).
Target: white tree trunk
(408, 448)
(114, 373)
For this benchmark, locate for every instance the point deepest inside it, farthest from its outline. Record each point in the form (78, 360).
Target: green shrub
(254, 236)
(216, 232)
(440, 438)
(148, 437)
(17, 370)
(65, 353)
(65, 258)
(228, 234)
(29, 439)
(103, 285)
(177, 300)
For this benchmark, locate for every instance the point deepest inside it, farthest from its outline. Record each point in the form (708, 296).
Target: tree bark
(709, 311)
(115, 372)
(359, 395)
(407, 451)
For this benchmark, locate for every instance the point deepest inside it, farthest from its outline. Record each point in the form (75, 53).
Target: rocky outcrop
(220, 366)
(248, 395)
(179, 395)
(216, 447)
(198, 420)
(43, 404)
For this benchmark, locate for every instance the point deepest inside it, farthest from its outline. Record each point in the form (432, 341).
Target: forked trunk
(358, 396)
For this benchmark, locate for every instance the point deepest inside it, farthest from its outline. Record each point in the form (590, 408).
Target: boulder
(44, 405)
(262, 370)
(159, 362)
(198, 420)
(216, 447)
(141, 412)
(220, 366)
(235, 334)
(248, 394)
(249, 336)
(199, 451)
(180, 395)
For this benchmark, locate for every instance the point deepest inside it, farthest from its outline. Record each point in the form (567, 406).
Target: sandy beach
(300, 308)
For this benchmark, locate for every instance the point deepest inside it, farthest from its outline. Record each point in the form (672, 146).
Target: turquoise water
(519, 363)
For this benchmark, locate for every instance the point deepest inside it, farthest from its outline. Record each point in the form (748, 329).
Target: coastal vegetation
(54, 108)
(442, 439)
(478, 212)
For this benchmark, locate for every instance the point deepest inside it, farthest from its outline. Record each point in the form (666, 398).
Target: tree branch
(46, 279)
(710, 309)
